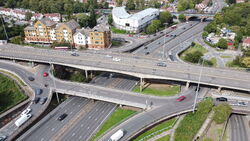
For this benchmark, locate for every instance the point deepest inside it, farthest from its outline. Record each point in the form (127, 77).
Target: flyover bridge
(141, 67)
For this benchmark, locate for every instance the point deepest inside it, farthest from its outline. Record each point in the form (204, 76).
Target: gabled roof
(72, 24)
(101, 28)
(83, 31)
(46, 21)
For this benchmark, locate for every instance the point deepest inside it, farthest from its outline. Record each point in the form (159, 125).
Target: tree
(11, 3)
(130, 5)
(193, 57)
(211, 27)
(83, 19)
(156, 24)
(182, 17)
(110, 19)
(218, 18)
(222, 43)
(151, 29)
(166, 17)
(28, 16)
(68, 7)
(246, 62)
(204, 34)
(119, 2)
(105, 5)
(92, 19)
(222, 113)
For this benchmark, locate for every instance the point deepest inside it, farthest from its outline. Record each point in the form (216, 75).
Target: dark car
(43, 100)
(147, 53)
(221, 99)
(161, 32)
(161, 64)
(175, 35)
(38, 91)
(31, 78)
(145, 47)
(154, 34)
(184, 28)
(62, 116)
(36, 100)
(74, 54)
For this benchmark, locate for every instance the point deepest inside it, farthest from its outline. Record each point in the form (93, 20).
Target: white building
(82, 38)
(56, 17)
(133, 22)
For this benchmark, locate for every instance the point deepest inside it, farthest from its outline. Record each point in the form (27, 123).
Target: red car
(181, 98)
(45, 74)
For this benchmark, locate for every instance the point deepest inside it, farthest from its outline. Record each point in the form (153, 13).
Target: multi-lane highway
(132, 65)
(238, 128)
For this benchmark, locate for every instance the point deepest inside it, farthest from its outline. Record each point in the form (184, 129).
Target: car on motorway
(38, 91)
(62, 117)
(3, 138)
(117, 135)
(181, 98)
(145, 47)
(45, 74)
(154, 34)
(108, 56)
(184, 28)
(221, 99)
(242, 103)
(171, 35)
(130, 35)
(147, 53)
(26, 111)
(161, 32)
(43, 100)
(161, 64)
(31, 78)
(74, 54)
(175, 35)
(116, 59)
(36, 100)
(167, 35)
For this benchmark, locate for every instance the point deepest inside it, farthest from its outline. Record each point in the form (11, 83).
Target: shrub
(221, 113)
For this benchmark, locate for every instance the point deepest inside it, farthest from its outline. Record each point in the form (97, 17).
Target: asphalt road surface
(238, 128)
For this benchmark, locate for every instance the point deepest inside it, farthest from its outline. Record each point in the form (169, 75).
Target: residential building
(81, 38)
(246, 42)
(227, 34)
(133, 22)
(100, 37)
(65, 31)
(40, 32)
(36, 16)
(240, 1)
(56, 17)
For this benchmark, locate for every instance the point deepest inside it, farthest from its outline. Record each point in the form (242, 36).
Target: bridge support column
(31, 64)
(14, 61)
(91, 74)
(141, 84)
(187, 84)
(86, 74)
(219, 89)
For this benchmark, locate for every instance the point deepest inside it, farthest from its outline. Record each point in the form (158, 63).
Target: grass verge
(158, 127)
(193, 49)
(14, 76)
(192, 122)
(117, 117)
(172, 90)
(165, 138)
(223, 56)
(213, 61)
(10, 93)
(118, 31)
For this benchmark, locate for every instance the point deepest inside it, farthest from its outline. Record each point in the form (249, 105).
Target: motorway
(10, 128)
(238, 128)
(133, 65)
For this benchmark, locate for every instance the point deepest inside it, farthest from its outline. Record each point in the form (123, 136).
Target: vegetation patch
(116, 43)
(222, 113)
(158, 129)
(159, 90)
(117, 117)
(165, 138)
(194, 48)
(118, 31)
(10, 93)
(192, 122)
(223, 56)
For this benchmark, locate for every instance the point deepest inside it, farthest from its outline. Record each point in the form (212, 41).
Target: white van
(19, 122)
(117, 135)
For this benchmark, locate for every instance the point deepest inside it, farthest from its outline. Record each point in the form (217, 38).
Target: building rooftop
(101, 28)
(30, 28)
(47, 21)
(121, 13)
(83, 31)
(246, 41)
(72, 24)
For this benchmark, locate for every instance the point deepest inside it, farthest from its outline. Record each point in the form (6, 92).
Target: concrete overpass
(133, 65)
(201, 16)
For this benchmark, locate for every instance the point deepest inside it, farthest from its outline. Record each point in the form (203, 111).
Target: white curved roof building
(133, 22)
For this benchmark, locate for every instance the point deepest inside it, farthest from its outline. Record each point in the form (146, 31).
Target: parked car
(26, 111)
(221, 99)
(181, 98)
(242, 103)
(3, 138)
(36, 100)
(161, 64)
(43, 100)
(38, 91)
(31, 78)
(45, 74)
(62, 116)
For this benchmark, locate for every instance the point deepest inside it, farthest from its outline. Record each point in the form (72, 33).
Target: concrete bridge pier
(141, 84)
(86, 74)
(91, 74)
(32, 64)
(219, 89)
(187, 84)
(14, 61)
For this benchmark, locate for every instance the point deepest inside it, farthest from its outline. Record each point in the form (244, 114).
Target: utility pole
(53, 77)
(198, 87)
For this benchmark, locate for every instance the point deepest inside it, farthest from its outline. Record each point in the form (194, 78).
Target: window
(96, 42)
(96, 34)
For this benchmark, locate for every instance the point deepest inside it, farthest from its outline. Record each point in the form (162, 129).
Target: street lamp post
(198, 86)
(52, 68)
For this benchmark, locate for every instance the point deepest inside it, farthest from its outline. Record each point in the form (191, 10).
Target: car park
(38, 91)
(36, 100)
(3, 138)
(45, 74)
(62, 117)
(181, 98)
(161, 64)
(26, 111)
(31, 78)
(43, 100)
(221, 99)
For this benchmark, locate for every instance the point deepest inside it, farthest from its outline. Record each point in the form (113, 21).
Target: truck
(117, 135)
(19, 122)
